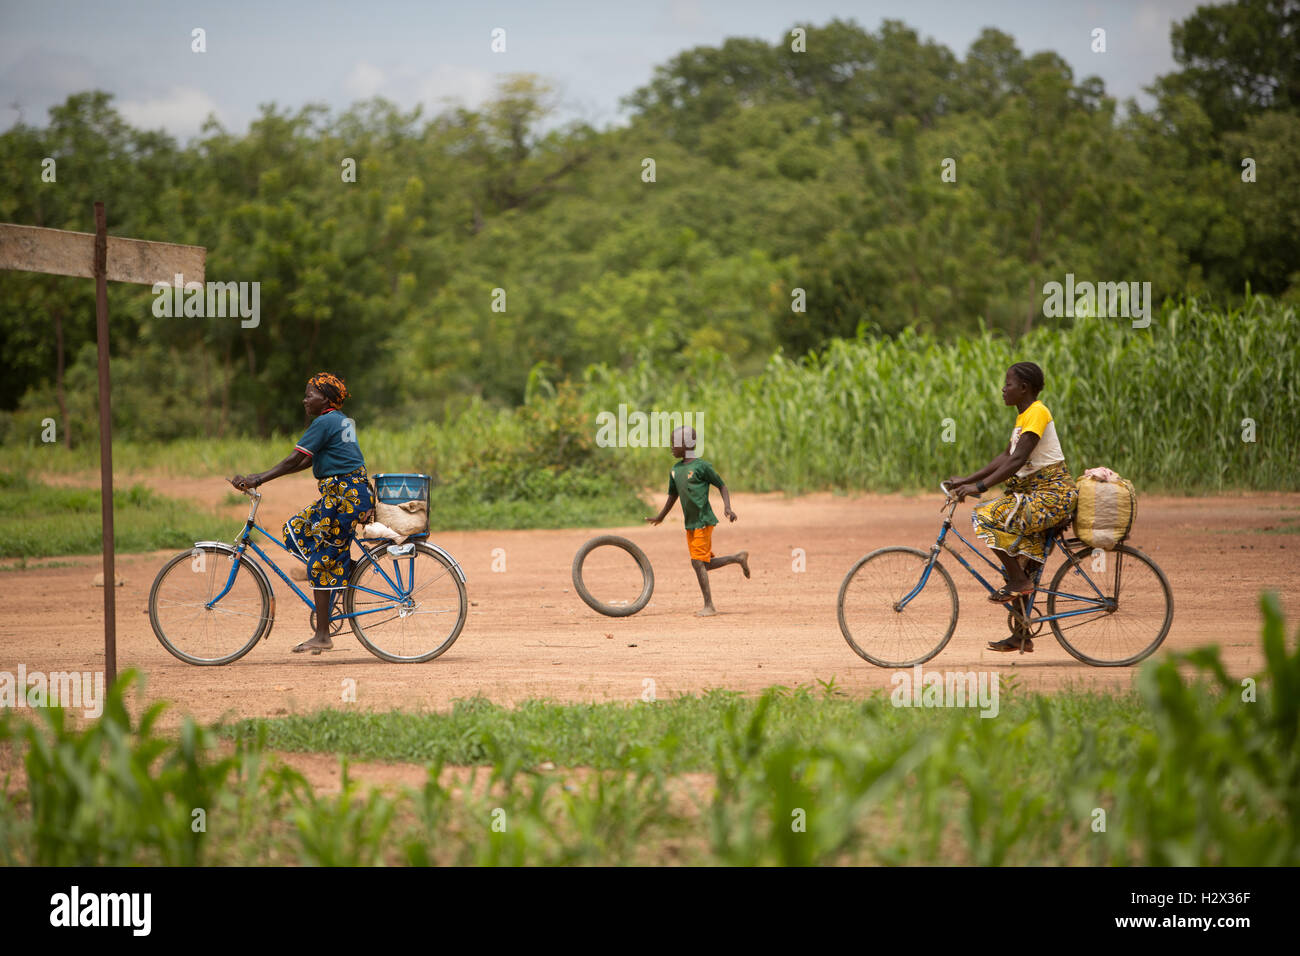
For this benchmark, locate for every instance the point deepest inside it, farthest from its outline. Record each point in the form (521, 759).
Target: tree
(1238, 60)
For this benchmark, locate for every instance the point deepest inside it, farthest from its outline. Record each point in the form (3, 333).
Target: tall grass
(1165, 406)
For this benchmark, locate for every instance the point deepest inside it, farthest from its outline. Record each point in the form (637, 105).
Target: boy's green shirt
(689, 481)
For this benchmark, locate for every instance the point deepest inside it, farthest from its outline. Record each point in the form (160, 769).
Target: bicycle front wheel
(205, 609)
(406, 603)
(879, 626)
(1118, 603)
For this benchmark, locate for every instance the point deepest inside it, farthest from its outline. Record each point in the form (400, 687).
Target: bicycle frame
(245, 541)
(1098, 603)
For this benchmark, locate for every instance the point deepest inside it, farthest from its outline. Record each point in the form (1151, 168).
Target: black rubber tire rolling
(647, 576)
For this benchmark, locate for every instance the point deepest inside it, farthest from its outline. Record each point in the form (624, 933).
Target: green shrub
(118, 792)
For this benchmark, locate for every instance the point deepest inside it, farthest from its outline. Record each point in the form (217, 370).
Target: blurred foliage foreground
(1202, 770)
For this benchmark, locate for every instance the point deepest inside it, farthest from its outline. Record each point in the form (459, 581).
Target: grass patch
(22, 564)
(1288, 526)
(684, 731)
(40, 520)
(561, 511)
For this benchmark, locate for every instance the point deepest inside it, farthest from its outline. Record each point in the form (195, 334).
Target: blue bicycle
(898, 606)
(213, 603)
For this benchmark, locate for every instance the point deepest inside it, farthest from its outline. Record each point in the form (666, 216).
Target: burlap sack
(1105, 512)
(406, 517)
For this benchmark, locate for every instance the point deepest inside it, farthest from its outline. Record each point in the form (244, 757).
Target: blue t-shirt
(331, 441)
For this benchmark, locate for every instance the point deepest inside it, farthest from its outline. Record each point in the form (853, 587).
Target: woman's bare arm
(983, 473)
(1013, 463)
(296, 461)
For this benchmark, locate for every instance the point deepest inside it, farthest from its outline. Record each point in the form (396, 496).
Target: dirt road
(528, 634)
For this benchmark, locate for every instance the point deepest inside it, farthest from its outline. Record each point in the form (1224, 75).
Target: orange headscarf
(331, 386)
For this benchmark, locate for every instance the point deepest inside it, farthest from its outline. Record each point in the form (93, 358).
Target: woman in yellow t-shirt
(1040, 494)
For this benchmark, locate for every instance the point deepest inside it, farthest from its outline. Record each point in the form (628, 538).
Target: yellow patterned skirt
(1018, 522)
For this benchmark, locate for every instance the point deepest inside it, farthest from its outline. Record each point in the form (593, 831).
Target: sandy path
(528, 634)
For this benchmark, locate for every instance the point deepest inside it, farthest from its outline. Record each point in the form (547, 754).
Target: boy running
(689, 480)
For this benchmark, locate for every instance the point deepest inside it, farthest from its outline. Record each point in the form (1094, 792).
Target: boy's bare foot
(744, 562)
(707, 611)
(315, 645)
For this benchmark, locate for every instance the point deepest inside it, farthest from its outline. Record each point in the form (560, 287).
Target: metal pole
(105, 444)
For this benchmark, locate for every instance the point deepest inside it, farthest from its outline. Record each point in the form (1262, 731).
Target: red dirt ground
(528, 634)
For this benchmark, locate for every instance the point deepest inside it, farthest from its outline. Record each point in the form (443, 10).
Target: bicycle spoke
(421, 612)
(1134, 620)
(873, 624)
(186, 621)
(220, 608)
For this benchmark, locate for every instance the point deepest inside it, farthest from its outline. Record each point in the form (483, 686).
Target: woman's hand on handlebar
(244, 482)
(963, 490)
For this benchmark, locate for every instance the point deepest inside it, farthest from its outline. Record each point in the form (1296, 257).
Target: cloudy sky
(292, 52)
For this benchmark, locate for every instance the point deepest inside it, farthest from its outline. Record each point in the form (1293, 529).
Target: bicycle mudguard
(253, 566)
(455, 565)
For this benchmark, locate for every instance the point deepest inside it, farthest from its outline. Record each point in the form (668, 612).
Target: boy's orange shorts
(699, 541)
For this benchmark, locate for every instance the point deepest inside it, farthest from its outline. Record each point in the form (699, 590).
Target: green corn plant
(344, 831)
(1216, 780)
(119, 792)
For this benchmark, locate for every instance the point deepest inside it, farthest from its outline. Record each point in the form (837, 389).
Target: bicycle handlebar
(947, 492)
(251, 492)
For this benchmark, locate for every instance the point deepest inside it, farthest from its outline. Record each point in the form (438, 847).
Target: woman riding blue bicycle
(1040, 493)
(321, 533)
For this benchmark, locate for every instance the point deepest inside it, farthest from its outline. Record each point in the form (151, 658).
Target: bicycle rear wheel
(192, 624)
(408, 602)
(1120, 611)
(874, 624)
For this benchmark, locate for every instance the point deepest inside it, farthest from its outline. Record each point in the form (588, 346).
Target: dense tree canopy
(870, 180)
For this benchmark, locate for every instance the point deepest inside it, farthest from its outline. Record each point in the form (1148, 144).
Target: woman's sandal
(1024, 645)
(1005, 595)
(314, 647)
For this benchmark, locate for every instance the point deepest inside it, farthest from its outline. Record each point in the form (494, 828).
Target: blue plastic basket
(393, 489)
